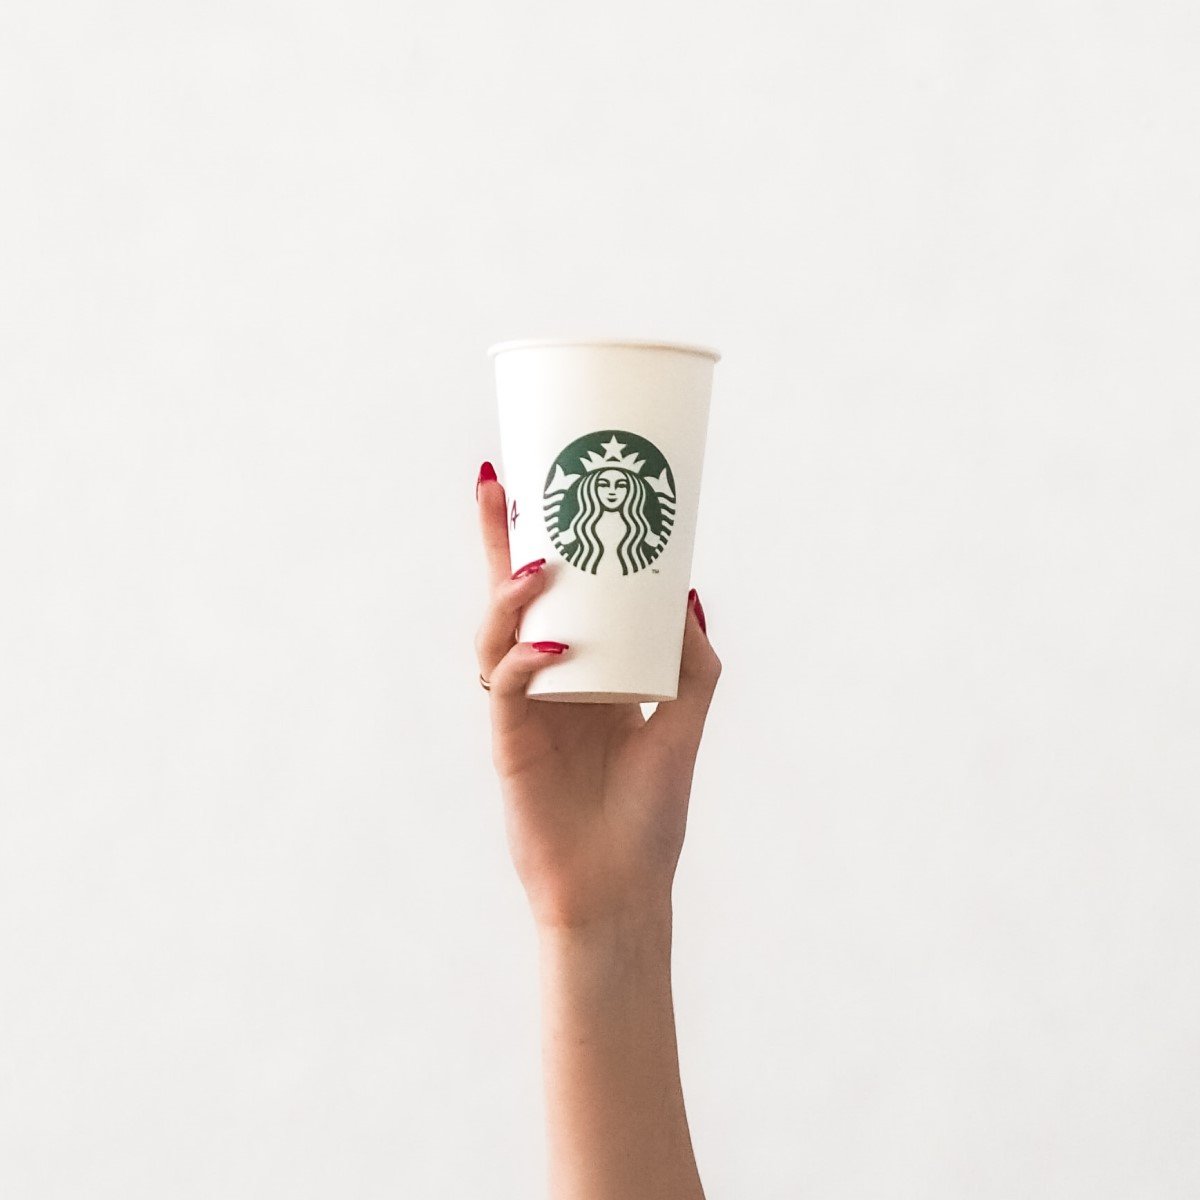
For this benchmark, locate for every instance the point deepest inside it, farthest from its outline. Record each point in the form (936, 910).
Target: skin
(595, 800)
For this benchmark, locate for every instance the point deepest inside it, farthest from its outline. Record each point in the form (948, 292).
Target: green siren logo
(610, 499)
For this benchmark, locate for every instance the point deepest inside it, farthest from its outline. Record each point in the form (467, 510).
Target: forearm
(616, 1121)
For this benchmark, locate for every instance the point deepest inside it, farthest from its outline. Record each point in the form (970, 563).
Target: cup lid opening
(635, 343)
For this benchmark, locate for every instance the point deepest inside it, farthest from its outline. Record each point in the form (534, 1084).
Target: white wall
(938, 913)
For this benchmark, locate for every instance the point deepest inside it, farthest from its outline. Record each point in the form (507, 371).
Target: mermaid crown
(612, 457)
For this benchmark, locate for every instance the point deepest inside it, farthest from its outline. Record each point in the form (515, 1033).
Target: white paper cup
(602, 444)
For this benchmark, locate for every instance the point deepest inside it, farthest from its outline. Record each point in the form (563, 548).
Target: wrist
(646, 924)
(631, 946)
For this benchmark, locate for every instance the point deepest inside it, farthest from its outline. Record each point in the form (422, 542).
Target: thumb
(682, 720)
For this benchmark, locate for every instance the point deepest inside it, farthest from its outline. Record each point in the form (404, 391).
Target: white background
(938, 912)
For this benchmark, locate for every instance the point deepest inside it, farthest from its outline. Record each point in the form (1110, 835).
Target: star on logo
(612, 457)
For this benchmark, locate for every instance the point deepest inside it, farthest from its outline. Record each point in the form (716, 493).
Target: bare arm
(596, 799)
(616, 1121)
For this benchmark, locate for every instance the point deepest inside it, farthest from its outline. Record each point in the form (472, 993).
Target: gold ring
(487, 687)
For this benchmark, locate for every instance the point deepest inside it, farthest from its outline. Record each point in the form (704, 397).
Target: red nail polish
(694, 600)
(549, 647)
(486, 472)
(529, 568)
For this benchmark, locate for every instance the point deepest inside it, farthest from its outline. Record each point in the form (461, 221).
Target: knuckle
(500, 673)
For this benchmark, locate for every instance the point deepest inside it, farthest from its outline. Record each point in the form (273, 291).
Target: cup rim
(637, 343)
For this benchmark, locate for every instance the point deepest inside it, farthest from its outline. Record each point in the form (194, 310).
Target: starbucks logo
(609, 502)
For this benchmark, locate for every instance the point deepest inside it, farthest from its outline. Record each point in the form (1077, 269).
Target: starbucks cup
(602, 444)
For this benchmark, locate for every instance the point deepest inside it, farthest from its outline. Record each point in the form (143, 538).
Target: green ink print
(610, 498)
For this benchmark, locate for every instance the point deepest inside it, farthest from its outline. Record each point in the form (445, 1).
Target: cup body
(602, 446)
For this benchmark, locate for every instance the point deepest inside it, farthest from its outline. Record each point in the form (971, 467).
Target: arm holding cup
(596, 800)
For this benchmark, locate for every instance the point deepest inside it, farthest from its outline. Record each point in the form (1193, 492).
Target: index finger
(493, 524)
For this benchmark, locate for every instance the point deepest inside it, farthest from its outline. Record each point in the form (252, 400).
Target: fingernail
(694, 601)
(549, 647)
(486, 472)
(529, 568)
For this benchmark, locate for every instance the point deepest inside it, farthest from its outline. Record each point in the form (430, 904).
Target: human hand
(596, 796)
